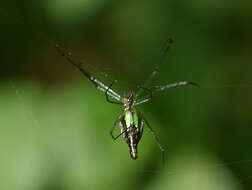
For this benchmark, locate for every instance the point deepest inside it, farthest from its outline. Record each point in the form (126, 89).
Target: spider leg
(155, 138)
(113, 127)
(119, 134)
(146, 99)
(109, 93)
(168, 43)
(107, 97)
(146, 89)
(165, 87)
(98, 84)
(142, 101)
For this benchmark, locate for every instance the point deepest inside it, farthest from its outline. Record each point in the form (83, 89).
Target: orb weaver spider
(131, 121)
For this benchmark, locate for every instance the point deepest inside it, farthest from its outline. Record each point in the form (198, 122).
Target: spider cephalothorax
(129, 100)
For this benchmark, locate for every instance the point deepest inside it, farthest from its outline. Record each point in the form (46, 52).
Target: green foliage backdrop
(54, 125)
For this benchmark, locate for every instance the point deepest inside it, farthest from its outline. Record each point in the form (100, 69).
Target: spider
(131, 121)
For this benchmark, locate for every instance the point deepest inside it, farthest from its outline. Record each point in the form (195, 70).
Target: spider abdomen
(132, 129)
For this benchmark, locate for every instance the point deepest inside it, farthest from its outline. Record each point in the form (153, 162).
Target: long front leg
(165, 87)
(157, 89)
(167, 45)
(98, 84)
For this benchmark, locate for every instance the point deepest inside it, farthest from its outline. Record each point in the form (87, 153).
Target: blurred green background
(54, 125)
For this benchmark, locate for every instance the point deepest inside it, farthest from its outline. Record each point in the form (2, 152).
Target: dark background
(54, 125)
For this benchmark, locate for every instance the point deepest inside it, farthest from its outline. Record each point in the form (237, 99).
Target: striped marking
(131, 119)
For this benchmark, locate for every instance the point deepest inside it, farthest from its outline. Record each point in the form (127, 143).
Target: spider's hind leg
(155, 138)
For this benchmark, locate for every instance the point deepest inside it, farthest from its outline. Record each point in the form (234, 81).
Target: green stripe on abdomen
(131, 119)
